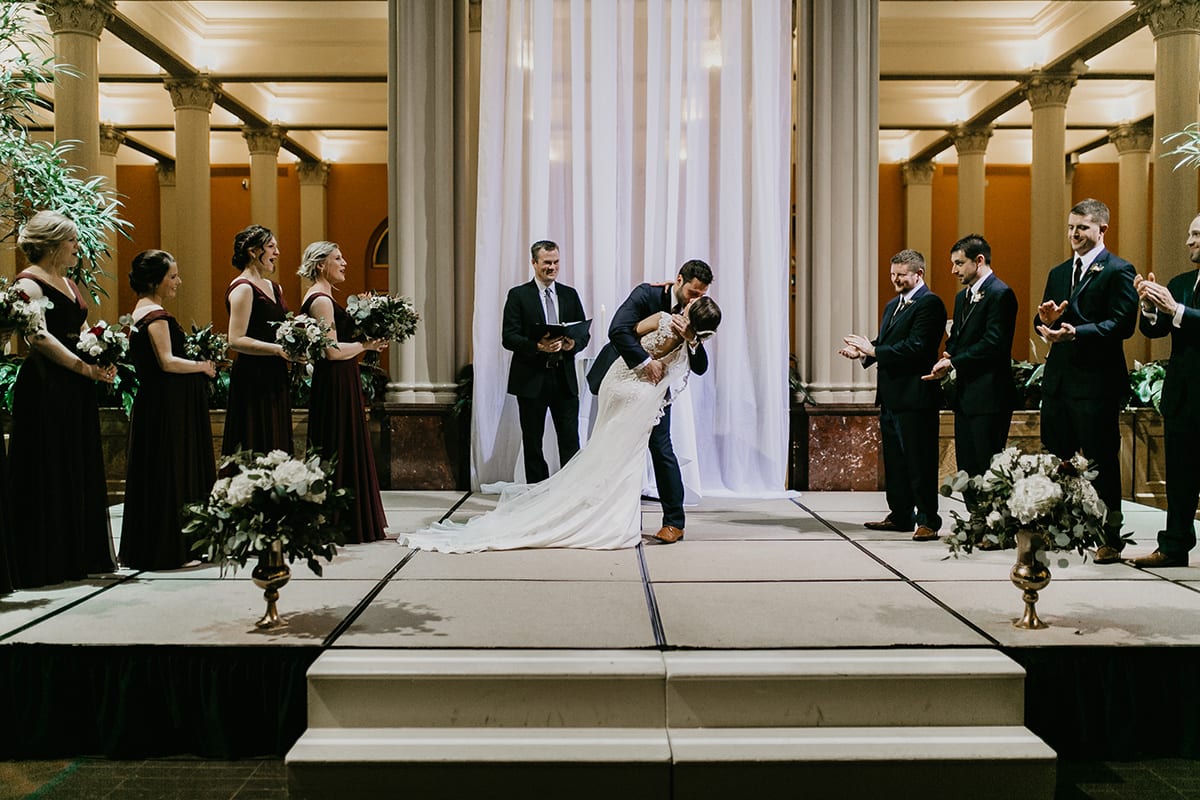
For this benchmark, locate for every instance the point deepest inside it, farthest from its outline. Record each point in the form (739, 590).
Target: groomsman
(1174, 310)
(979, 351)
(906, 349)
(1088, 309)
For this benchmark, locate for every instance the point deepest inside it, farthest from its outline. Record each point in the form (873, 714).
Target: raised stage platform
(766, 599)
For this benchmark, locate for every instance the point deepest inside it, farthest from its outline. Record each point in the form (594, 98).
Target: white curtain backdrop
(639, 134)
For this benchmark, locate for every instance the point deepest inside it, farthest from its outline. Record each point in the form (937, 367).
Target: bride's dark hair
(705, 314)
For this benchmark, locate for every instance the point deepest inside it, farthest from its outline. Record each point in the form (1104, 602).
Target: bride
(594, 501)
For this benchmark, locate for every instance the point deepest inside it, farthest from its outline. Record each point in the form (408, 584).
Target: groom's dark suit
(980, 348)
(906, 349)
(540, 380)
(1180, 405)
(624, 342)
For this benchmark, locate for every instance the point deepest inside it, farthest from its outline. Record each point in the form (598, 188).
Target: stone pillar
(314, 177)
(193, 99)
(467, 41)
(77, 25)
(264, 145)
(421, 202)
(1134, 144)
(836, 180)
(971, 144)
(1047, 95)
(110, 282)
(918, 206)
(1176, 28)
(167, 227)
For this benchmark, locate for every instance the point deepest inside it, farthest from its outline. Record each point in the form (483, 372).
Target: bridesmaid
(170, 436)
(259, 416)
(60, 528)
(337, 422)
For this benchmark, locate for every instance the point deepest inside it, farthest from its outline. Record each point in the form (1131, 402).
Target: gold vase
(271, 574)
(1029, 575)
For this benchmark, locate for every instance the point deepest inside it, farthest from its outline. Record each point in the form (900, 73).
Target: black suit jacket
(1181, 386)
(980, 348)
(906, 349)
(523, 312)
(623, 341)
(1103, 310)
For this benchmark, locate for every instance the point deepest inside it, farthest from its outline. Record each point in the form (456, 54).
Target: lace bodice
(662, 339)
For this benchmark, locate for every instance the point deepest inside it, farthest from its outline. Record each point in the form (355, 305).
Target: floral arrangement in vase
(302, 337)
(104, 344)
(18, 312)
(1037, 492)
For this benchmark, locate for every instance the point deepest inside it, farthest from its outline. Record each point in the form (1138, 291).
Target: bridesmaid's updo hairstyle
(705, 314)
(45, 231)
(314, 255)
(148, 270)
(246, 241)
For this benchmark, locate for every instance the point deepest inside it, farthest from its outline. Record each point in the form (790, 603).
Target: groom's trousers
(666, 471)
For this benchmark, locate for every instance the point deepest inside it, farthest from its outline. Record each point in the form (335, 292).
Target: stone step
(648, 689)
(842, 763)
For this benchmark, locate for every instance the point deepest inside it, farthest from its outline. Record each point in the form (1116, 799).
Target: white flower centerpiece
(273, 507)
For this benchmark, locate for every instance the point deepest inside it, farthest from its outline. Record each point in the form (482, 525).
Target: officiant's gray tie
(551, 312)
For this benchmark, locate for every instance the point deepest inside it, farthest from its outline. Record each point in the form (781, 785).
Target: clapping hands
(1153, 295)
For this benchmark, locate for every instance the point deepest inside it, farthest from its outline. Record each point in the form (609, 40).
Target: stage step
(862, 723)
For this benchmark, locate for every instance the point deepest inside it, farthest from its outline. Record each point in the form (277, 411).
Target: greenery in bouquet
(104, 344)
(380, 316)
(205, 344)
(302, 337)
(269, 498)
(18, 312)
(1038, 492)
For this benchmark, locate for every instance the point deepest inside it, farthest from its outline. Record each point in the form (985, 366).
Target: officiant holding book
(540, 327)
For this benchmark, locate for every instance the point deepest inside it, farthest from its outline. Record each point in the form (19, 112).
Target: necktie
(1077, 274)
(551, 313)
(903, 304)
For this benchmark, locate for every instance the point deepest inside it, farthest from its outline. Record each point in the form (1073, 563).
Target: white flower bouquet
(303, 338)
(269, 498)
(379, 316)
(18, 312)
(104, 344)
(1037, 492)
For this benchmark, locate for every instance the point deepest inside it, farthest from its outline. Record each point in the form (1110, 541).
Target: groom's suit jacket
(906, 349)
(980, 348)
(523, 312)
(623, 341)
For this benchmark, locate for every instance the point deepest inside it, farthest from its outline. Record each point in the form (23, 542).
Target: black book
(574, 330)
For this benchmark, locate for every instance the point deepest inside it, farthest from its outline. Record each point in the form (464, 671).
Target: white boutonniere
(1095, 268)
(975, 298)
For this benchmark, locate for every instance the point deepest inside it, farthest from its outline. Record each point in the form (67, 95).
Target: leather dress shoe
(887, 524)
(1107, 554)
(668, 534)
(924, 533)
(1160, 559)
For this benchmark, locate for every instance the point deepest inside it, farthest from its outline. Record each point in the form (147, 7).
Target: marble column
(837, 193)
(263, 144)
(918, 206)
(423, 61)
(1047, 95)
(1133, 192)
(468, 19)
(77, 25)
(193, 100)
(314, 177)
(971, 145)
(110, 281)
(167, 221)
(1176, 28)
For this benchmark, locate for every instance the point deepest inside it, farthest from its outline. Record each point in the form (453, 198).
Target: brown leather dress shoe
(668, 534)
(1160, 559)
(887, 524)
(925, 534)
(1107, 554)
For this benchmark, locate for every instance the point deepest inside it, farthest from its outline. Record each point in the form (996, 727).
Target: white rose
(274, 458)
(1033, 496)
(240, 491)
(293, 476)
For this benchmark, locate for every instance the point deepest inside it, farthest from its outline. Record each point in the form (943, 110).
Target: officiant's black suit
(542, 381)
(623, 342)
(905, 350)
(1180, 406)
(1085, 383)
(980, 348)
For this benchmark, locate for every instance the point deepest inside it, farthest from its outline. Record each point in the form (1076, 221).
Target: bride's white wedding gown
(594, 501)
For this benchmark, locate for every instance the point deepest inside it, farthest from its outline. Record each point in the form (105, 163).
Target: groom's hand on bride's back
(653, 370)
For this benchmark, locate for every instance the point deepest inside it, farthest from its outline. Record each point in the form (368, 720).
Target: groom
(692, 282)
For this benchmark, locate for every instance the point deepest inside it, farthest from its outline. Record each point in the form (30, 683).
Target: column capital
(917, 173)
(972, 141)
(1045, 89)
(1169, 17)
(263, 141)
(111, 139)
(197, 93)
(166, 173)
(77, 16)
(1131, 139)
(313, 173)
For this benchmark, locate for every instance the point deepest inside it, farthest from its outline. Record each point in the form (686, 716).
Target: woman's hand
(99, 373)
(378, 345)
(208, 368)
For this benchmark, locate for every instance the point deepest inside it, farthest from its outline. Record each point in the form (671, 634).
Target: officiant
(536, 328)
